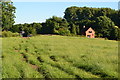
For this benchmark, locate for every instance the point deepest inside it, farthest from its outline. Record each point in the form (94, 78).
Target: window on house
(88, 36)
(90, 31)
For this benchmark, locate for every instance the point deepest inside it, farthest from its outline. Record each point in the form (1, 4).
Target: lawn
(59, 57)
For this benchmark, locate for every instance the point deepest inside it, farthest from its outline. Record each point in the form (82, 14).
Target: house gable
(90, 30)
(90, 33)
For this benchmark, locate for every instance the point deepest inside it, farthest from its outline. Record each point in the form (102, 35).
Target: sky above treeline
(65, 0)
(29, 12)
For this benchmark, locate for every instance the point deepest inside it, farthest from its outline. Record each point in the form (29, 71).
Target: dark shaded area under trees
(105, 22)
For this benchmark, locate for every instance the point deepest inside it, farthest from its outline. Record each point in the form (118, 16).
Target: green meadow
(59, 57)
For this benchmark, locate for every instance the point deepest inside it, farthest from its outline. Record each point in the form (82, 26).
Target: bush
(63, 31)
(9, 34)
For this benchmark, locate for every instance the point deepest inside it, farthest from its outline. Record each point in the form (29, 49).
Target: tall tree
(104, 26)
(73, 28)
(8, 15)
(37, 26)
(55, 25)
(70, 14)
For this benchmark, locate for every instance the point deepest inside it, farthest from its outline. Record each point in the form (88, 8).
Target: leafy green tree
(15, 28)
(29, 29)
(114, 34)
(38, 27)
(102, 12)
(48, 27)
(8, 16)
(71, 14)
(118, 18)
(73, 28)
(63, 31)
(85, 14)
(54, 25)
(104, 26)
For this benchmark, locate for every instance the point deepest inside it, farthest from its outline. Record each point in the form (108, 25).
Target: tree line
(105, 22)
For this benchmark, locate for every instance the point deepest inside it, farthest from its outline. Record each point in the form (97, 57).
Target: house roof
(85, 29)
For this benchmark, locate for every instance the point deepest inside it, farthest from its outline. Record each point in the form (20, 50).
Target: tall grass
(59, 57)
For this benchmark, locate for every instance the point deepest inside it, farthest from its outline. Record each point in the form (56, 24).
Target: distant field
(59, 57)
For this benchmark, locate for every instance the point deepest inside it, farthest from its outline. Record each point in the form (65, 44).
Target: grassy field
(59, 57)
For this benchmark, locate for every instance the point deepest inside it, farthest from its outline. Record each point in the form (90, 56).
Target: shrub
(9, 34)
(63, 31)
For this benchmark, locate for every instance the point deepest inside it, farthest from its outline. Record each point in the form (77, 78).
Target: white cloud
(65, 0)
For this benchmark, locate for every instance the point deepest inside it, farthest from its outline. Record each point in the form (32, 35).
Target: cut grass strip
(67, 67)
(53, 72)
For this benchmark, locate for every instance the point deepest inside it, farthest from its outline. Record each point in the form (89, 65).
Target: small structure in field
(88, 32)
(23, 34)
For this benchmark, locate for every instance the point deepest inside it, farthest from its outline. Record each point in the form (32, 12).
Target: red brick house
(88, 32)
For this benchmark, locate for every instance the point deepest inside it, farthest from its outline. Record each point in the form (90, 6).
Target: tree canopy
(8, 15)
(102, 20)
(56, 25)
